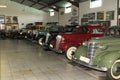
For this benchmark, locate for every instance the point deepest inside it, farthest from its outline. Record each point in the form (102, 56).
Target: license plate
(84, 59)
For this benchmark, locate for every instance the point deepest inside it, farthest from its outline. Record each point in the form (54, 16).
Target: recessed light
(3, 6)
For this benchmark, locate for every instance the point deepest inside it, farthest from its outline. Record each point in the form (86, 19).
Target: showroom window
(95, 3)
(68, 9)
(52, 13)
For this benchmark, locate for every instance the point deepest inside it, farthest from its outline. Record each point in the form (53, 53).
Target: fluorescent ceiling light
(3, 6)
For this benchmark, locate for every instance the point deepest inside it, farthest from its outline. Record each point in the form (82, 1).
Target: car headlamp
(101, 46)
(59, 36)
(85, 43)
(97, 45)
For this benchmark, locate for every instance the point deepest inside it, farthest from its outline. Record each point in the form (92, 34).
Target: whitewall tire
(114, 72)
(69, 52)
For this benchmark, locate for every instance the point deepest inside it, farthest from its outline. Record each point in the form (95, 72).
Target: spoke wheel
(69, 52)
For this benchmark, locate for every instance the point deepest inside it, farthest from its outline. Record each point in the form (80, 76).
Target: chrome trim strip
(57, 42)
(47, 37)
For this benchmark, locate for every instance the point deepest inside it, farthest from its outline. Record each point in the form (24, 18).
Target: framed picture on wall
(100, 15)
(15, 19)
(84, 21)
(8, 19)
(91, 16)
(110, 15)
(85, 15)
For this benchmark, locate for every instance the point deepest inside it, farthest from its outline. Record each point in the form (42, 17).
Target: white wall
(53, 18)
(108, 5)
(25, 14)
(62, 19)
(84, 8)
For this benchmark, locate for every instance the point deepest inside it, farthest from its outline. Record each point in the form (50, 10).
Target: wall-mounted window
(68, 9)
(95, 3)
(52, 13)
(2, 19)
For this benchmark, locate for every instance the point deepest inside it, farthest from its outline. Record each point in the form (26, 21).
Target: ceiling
(47, 5)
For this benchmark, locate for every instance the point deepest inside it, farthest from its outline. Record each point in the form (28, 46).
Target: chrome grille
(91, 51)
(47, 37)
(57, 42)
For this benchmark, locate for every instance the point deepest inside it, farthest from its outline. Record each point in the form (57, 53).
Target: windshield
(56, 28)
(81, 30)
(97, 31)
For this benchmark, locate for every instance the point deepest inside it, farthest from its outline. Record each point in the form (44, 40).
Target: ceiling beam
(43, 4)
(35, 3)
(22, 1)
(51, 4)
(73, 3)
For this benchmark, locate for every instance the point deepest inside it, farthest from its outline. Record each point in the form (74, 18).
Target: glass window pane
(95, 3)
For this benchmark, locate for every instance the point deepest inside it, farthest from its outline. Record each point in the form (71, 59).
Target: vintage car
(22, 33)
(33, 30)
(51, 35)
(2, 34)
(68, 42)
(42, 35)
(101, 54)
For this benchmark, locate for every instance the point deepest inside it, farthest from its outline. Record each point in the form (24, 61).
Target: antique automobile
(2, 34)
(22, 33)
(68, 42)
(51, 35)
(12, 34)
(30, 32)
(41, 35)
(101, 54)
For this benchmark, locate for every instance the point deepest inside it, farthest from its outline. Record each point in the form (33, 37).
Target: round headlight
(101, 46)
(85, 43)
(59, 36)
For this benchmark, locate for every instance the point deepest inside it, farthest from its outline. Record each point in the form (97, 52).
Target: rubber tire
(68, 53)
(40, 41)
(109, 73)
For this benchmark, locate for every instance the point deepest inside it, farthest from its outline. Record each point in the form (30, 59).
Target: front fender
(108, 58)
(81, 51)
(65, 46)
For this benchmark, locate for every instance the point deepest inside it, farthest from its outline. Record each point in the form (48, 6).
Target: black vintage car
(2, 34)
(51, 35)
(41, 34)
(22, 33)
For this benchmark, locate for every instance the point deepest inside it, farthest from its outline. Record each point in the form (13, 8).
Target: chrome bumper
(104, 69)
(54, 49)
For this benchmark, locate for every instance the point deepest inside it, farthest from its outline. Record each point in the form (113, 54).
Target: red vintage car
(68, 42)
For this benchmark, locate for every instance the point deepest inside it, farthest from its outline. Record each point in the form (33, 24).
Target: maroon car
(68, 42)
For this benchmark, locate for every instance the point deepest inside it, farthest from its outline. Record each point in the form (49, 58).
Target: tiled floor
(24, 60)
